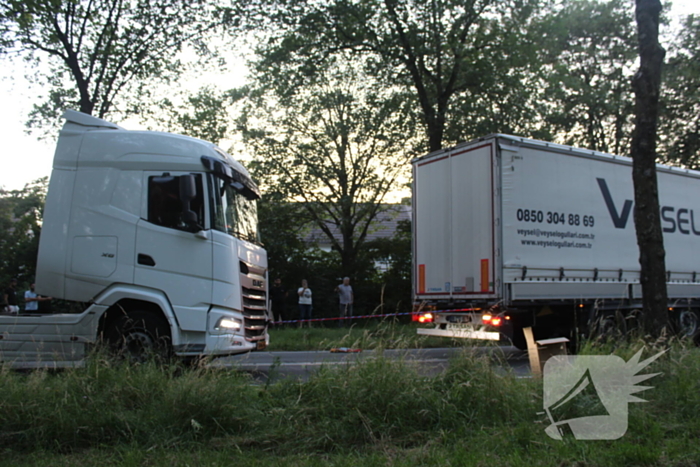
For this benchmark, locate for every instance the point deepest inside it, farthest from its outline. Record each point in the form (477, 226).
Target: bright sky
(25, 158)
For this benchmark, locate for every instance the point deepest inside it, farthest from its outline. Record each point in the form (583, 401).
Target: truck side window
(164, 203)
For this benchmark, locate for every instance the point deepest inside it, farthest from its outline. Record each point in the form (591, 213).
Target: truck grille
(254, 313)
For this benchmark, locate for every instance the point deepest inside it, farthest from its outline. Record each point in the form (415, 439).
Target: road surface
(302, 364)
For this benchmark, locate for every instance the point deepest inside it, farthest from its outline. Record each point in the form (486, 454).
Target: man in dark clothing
(278, 295)
(10, 298)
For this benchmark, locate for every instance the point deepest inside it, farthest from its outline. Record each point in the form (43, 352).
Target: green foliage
(100, 56)
(442, 56)
(590, 55)
(20, 226)
(679, 125)
(205, 114)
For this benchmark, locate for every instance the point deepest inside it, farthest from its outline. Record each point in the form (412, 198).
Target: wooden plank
(532, 352)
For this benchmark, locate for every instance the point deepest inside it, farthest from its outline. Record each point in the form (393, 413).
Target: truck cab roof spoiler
(86, 120)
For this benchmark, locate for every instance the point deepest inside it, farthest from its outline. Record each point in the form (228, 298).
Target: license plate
(460, 326)
(261, 345)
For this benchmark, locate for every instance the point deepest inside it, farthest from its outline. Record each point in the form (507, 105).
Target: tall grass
(364, 335)
(375, 412)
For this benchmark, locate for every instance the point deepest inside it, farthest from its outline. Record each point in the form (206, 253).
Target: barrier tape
(385, 315)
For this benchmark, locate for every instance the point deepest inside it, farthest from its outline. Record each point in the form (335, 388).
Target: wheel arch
(121, 299)
(123, 307)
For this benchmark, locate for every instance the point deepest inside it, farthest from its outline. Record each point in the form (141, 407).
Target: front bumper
(223, 341)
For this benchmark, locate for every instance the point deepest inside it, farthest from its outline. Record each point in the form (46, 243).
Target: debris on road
(344, 350)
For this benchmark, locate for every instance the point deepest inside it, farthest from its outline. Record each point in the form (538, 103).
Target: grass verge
(377, 412)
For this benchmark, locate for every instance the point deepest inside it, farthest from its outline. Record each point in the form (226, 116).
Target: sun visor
(242, 183)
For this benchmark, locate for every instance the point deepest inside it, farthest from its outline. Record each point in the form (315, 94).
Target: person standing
(10, 298)
(346, 298)
(278, 295)
(31, 299)
(305, 303)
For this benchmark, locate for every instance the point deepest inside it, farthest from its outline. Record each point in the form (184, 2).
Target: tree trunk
(646, 84)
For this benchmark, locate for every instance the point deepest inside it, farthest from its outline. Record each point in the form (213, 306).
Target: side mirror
(188, 189)
(188, 192)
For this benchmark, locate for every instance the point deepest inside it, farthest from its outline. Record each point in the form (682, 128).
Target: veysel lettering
(672, 219)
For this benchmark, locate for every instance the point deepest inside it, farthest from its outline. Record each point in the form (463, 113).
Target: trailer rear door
(454, 241)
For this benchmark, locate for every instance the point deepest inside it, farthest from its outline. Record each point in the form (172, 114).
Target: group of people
(31, 299)
(278, 296)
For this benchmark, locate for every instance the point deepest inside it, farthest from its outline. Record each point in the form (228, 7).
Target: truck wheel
(139, 336)
(688, 323)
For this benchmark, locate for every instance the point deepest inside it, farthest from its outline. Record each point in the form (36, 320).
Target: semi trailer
(510, 232)
(154, 237)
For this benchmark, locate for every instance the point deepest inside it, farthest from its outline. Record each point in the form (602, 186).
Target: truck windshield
(233, 213)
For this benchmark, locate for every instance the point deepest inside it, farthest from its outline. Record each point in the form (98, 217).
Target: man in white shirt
(31, 299)
(305, 303)
(347, 298)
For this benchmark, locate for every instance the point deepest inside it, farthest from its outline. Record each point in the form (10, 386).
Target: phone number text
(550, 217)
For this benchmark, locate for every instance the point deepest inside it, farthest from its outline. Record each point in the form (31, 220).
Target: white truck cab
(157, 235)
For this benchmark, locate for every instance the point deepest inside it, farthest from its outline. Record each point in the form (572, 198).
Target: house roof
(383, 226)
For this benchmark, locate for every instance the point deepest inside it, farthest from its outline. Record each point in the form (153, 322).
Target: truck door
(172, 253)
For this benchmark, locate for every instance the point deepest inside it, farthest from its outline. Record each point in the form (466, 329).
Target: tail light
(422, 317)
(425, 318)
(493, 320)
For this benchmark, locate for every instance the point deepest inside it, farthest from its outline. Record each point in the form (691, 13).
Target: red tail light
(492, 320)
(425, 318)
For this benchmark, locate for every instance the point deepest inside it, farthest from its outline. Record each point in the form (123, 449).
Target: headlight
(228, 324)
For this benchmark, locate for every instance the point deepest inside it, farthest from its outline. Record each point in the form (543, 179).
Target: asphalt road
(302, 364)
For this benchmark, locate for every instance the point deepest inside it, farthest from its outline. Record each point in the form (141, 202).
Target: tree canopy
(92, 55)
(592, 51)
(338, 147)
(441, 53)
(679, 126)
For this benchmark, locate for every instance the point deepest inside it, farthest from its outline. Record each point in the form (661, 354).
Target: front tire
(139, 336)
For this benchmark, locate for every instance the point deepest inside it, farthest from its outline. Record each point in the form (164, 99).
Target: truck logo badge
(586, 396)
(108, 255)
(257, 283)
(620, 220)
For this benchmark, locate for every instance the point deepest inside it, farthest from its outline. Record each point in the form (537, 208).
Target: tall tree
(92, 52)
(680, 126)
(338, 147)
(647, 84)
(440, 52)
(590, 51)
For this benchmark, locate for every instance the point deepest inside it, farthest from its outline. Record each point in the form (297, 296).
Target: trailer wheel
(610, 326)
(688, 323)
(139, 336)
